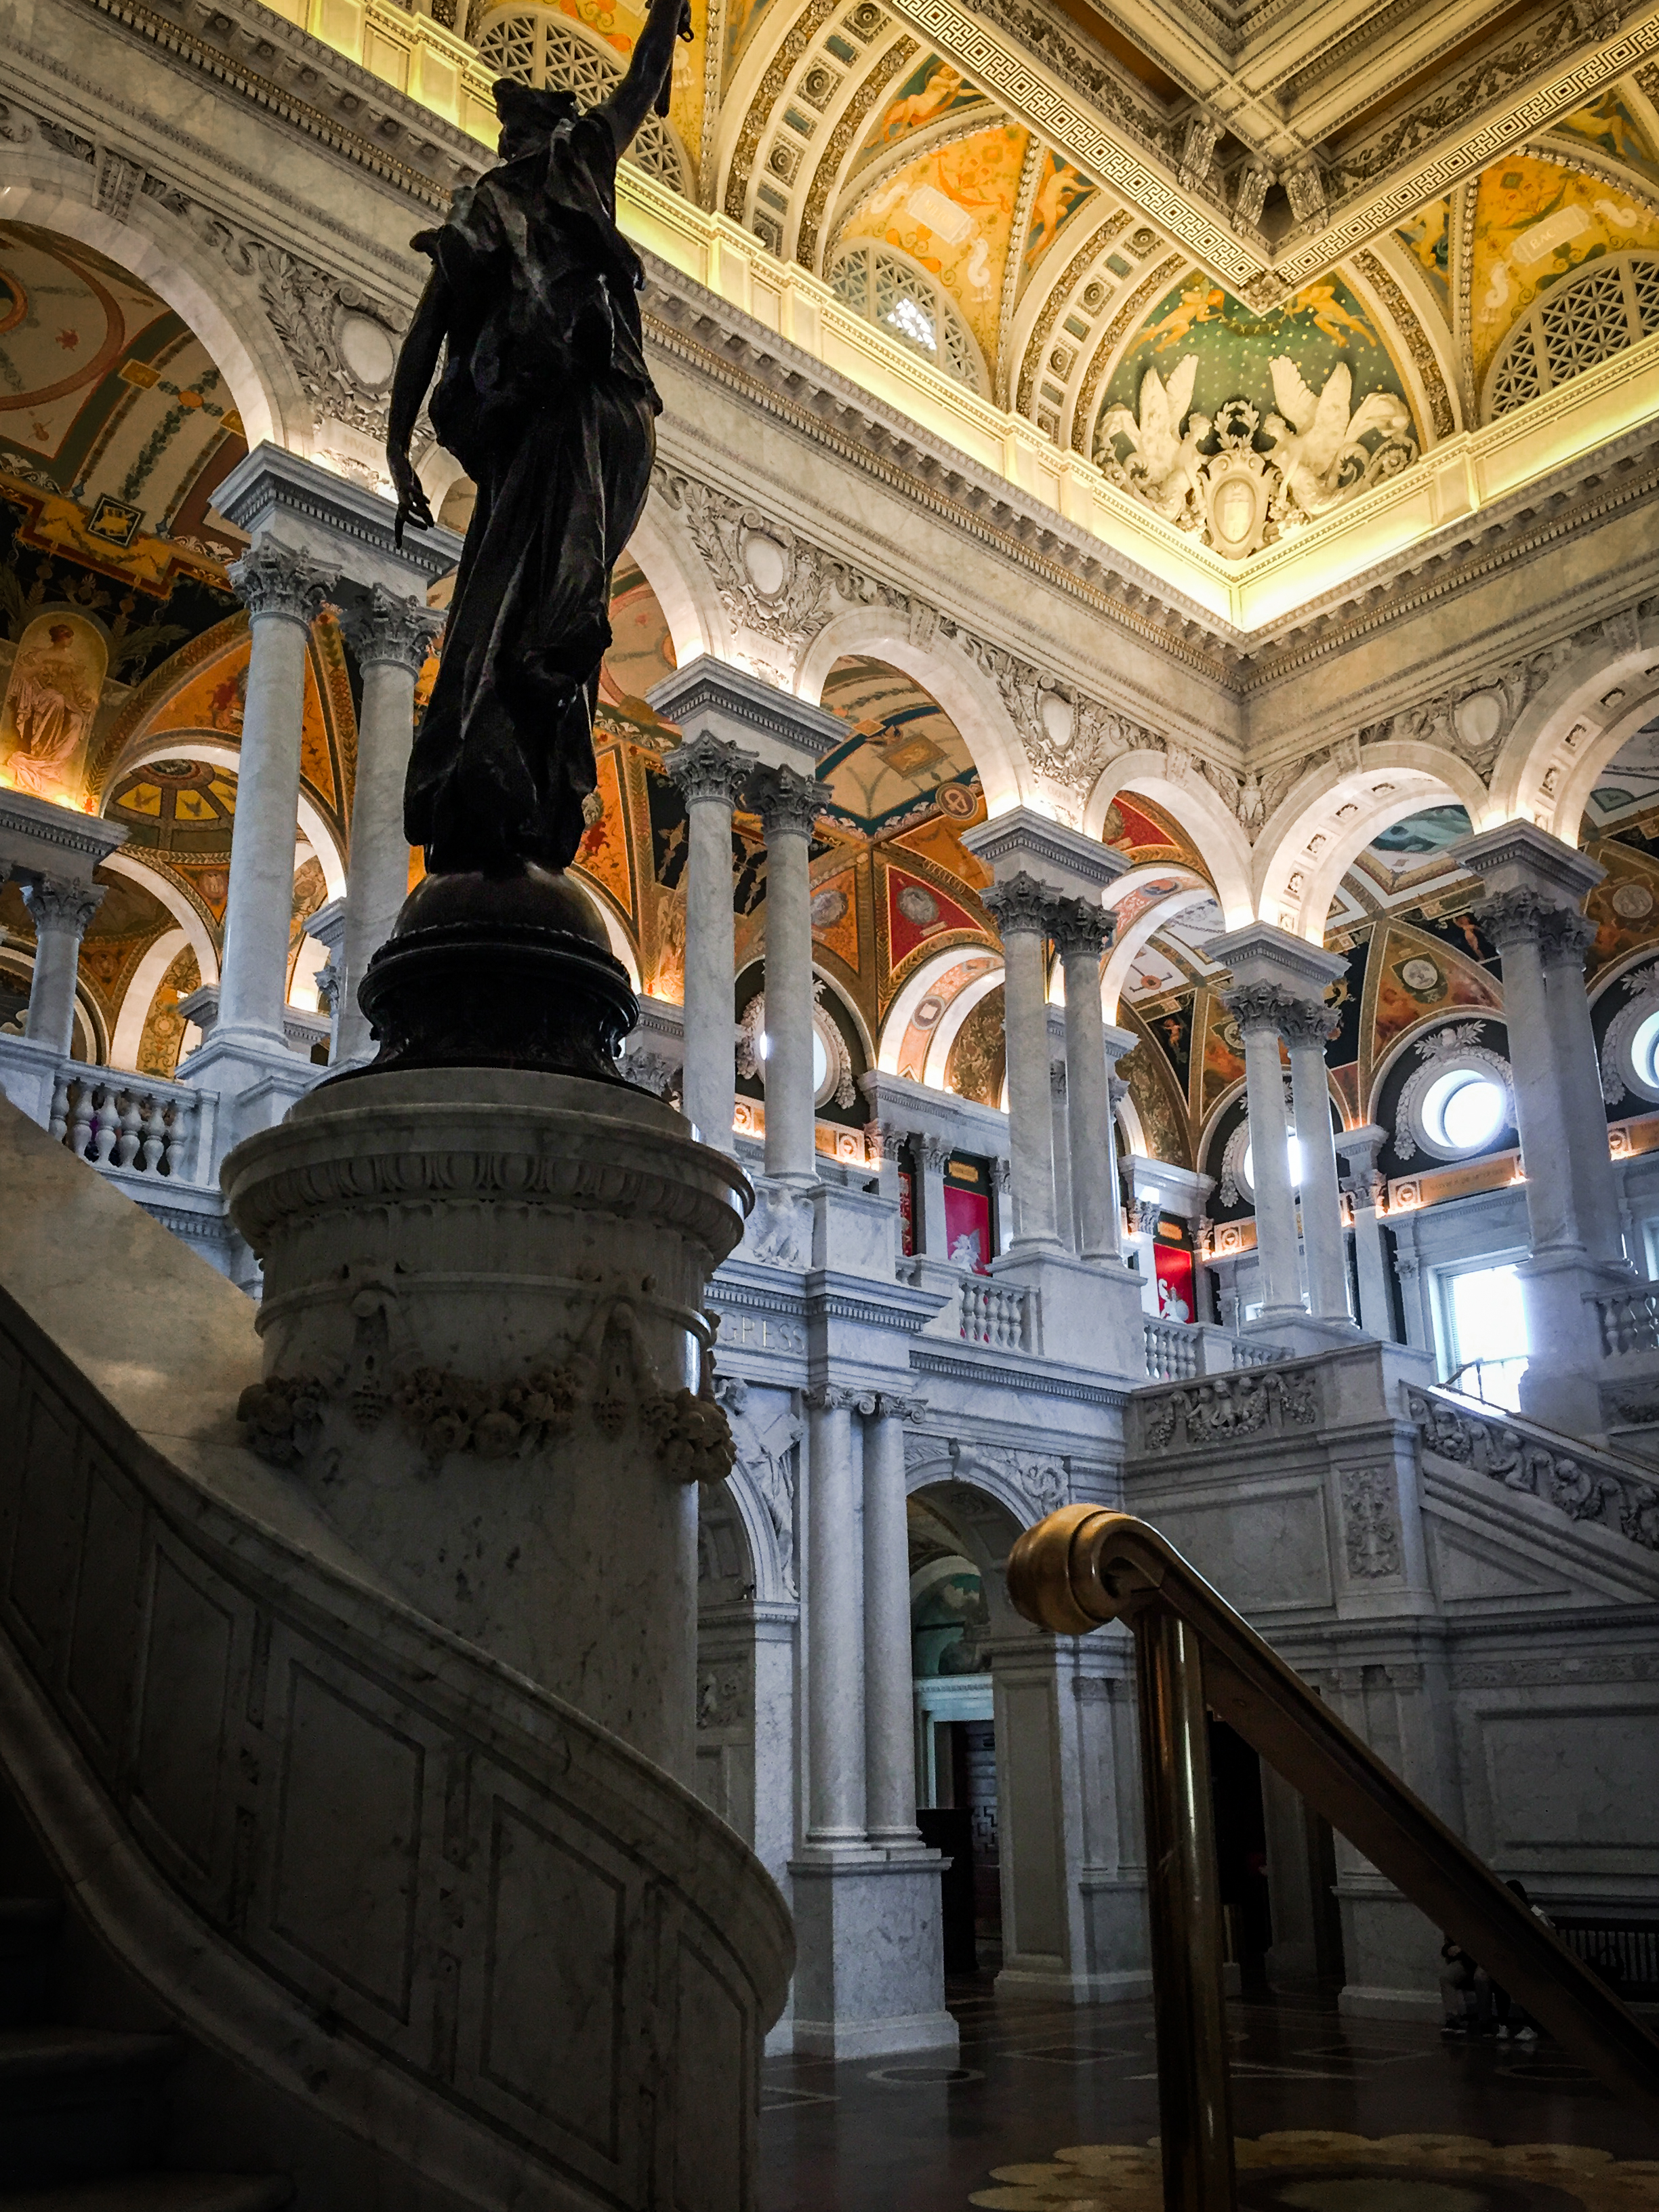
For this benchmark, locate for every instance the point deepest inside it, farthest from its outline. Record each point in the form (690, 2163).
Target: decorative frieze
(1259, 1401)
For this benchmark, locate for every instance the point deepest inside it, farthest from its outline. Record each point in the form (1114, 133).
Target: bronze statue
(545, 399)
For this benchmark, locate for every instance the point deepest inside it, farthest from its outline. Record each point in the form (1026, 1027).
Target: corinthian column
(1307, 1025)
(1021, 909)
(1515, 921)
(1565, 938)
(283, 592)
(1082, 933)
(1258, 1009)
(392, 636)
(60, 911)
(710, 775)
(835, 1630)
(788, 806)
(889, 1670)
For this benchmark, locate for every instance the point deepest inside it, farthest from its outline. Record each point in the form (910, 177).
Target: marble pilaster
(835, 1626)
(1257, 1009)
(889, 1747)
(710, 775)
(1367, 1186)
(1565, 938)
(1307, 1026)
(1020, 909)
(1082, 933)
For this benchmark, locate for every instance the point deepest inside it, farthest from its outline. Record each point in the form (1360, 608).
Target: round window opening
(1464, 1109)
(1293, 1161)
(1644, 1051)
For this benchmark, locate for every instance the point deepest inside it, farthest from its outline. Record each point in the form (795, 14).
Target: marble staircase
(384, 1917)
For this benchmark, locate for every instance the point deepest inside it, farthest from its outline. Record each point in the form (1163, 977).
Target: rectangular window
(1483, 1330)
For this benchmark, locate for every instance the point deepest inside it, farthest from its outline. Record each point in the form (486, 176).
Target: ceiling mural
(903, 746)
(1534, 223)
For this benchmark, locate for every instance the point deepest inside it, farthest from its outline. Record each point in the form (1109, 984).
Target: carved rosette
(1512, 918)
(1565, 938)
(1021, 907)
(788, 804)
(60, 907)
(705, 767)
(272, 580)
(1080, 928)
(394, 632)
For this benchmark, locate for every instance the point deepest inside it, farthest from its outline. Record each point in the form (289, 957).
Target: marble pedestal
(1092, 1311)
(870, 1980)
(484, 1344)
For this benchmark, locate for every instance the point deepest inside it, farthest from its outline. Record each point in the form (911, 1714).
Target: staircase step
(76, 2103)
(161, 2192)
(29, 1938)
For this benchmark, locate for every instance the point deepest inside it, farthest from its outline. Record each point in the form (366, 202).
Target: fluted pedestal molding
(1367, 1188)
(835, 1626)
(788, 805)
(888, 1668)
(1565, 938)
(1307, 1026)
(711, 775)
(283, 593)
(1082, 933)
(392, 636)
(60, 911)
(1020, 906)
(1258, 1009)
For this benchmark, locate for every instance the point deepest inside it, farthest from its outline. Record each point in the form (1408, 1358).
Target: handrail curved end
(1082, 1567)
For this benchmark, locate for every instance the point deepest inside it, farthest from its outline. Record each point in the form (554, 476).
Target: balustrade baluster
(154, 1133)
(80, 1120)
(107, 1124)
(58, 1125)
(126, 1142)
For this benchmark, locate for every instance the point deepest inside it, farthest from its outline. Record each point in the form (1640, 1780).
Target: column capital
(786, 802)
(1514, 917)
(894, 1406)
(1080, 928)
(1259, 1008)
(707, 767)
(935, 1151)
(1308, 1021)
(1021, 906)
(392, 630)
(270, 578)
(1566, 938)
(59, 903)
(838, 1398)
(885, 1139)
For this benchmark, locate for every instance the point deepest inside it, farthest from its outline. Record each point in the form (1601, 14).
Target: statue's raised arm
(644, 90)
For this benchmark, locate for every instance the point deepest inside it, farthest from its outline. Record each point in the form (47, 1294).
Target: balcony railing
(1629, 1321)
(1176, 1350)
(999, 1315)
(134, 1123)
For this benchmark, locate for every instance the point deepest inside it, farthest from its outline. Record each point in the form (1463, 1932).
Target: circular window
(1293, 1157)
(1644, 1048)
(1464, 1109)
(1458, 1100)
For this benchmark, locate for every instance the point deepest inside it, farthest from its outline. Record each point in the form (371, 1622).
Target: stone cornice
(1012, 1372)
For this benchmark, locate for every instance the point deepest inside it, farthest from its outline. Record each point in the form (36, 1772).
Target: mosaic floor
(1332, 2116)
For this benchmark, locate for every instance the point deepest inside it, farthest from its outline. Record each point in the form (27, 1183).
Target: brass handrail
(1084, 1566)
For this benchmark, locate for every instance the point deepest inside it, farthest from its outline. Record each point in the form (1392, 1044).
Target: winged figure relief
(1164, 466)
(1319, 438)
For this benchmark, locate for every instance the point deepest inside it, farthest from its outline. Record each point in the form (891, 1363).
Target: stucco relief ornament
(1211, 477)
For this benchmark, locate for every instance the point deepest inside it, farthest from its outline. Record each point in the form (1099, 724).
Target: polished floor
(1053, 2109)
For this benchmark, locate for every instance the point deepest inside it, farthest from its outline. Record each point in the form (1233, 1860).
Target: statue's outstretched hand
(413, 506)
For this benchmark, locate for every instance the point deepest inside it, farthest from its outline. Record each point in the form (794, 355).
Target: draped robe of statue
(546, 401)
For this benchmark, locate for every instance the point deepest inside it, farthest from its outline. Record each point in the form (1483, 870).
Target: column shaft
(1020, 908)
(889, 1691)
(284, 593)
(1321, 1203)
(788, 804)
(1083, 937)
(835, 1631)
(1270, 1166)
(392, 638)
(930, 1154)
(60, 911)
(1566, 939)
(1370, 1250)
(1514, 921)
(711, 774)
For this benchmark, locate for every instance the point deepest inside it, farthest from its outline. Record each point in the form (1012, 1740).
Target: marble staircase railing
(1578, 1478)
(1629, 1320)
(444, 1928)
(136, 1122)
